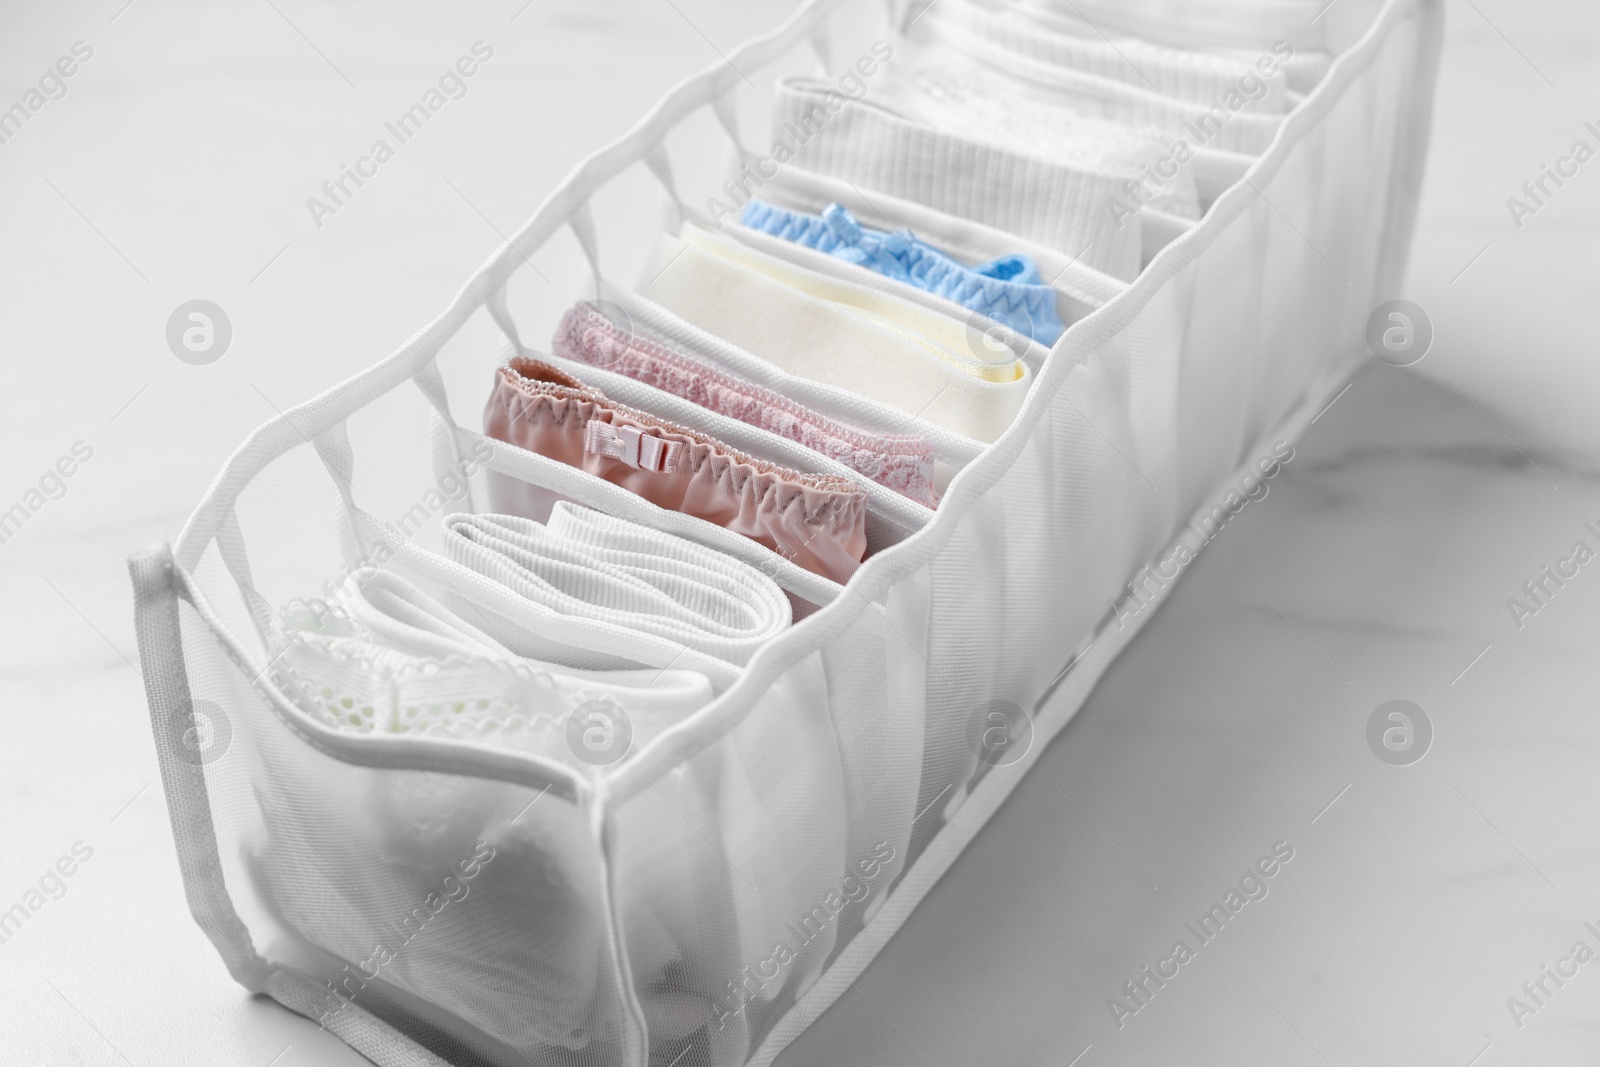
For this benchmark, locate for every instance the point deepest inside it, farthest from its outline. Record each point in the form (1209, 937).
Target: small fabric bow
(632, 446)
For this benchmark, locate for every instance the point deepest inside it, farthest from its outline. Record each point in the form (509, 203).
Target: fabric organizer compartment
(1020, 339)
(900, 463)
(1041, 200)
(814, 327)
(891, 517)
(1236, 26)
(817, 520)
(934, 327)
(1082, 287)
(513, 471)
(951, 451)
(705, 898)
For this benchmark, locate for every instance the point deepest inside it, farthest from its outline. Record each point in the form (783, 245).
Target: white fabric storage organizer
(439, 898)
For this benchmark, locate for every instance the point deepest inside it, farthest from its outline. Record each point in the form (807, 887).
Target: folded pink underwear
(816, 520)
(901, 462)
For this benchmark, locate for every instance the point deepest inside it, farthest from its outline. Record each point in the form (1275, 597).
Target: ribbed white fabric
(1039, 200)
(993, 31)
(1243, 30)
(403, 617)
(1082, 123)
(591, 592)
(1083, 288)
(595, 566)
(714, 605)
(1079, 119)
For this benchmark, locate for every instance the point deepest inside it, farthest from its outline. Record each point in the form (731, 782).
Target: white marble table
(1419, 898)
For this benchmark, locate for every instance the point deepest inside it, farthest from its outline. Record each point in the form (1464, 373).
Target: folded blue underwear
(1008, 290)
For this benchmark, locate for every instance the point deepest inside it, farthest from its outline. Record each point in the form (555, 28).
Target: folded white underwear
(825, 329)
(1080, 119)
(588, 565)
(1244, 29)
(1215, 25)
(999, 33)
(392, 659)
(1009, 188)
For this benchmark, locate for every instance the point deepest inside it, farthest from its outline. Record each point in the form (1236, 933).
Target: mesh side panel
(290, 517)
(750, 867)
(396, 478)
(464, 912)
